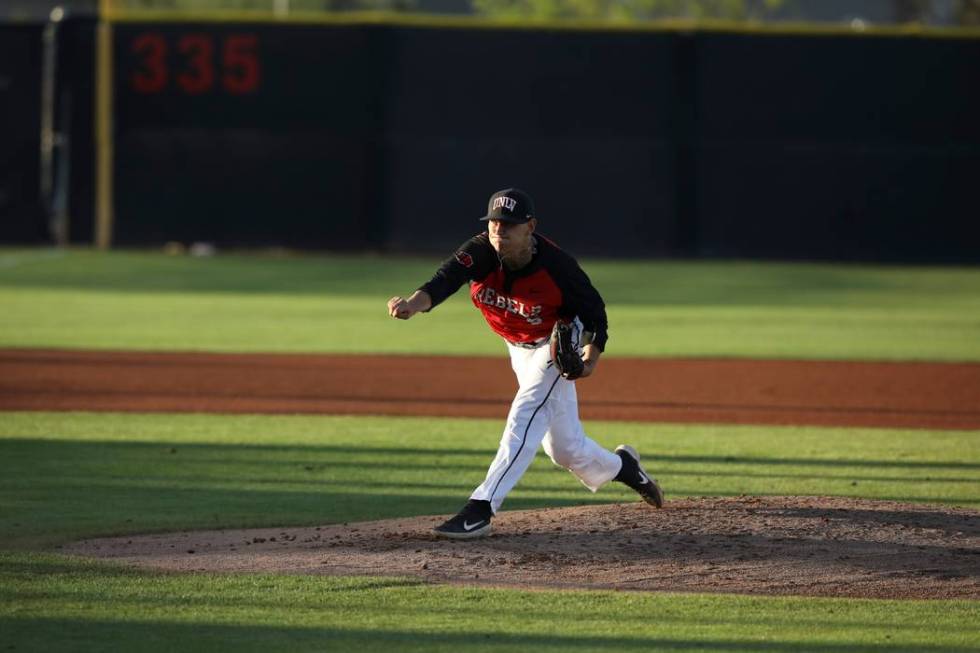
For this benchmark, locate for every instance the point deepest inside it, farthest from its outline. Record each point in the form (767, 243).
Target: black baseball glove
(564, 352)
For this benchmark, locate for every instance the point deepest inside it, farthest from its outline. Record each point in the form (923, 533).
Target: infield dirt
(824, 546)
(725, 391)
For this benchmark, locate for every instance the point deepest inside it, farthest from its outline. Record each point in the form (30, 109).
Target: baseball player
(538, 299)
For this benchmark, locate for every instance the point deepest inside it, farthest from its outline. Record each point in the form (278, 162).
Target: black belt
(529, 345)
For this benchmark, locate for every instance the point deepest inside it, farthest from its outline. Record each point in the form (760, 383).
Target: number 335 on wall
(195, 66)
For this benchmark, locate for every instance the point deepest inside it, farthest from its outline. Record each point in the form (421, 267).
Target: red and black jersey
(522, 305)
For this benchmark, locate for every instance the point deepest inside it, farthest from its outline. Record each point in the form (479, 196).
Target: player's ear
(532, 225)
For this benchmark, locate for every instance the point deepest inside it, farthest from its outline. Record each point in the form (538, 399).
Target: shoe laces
(631, 474)
(475, 509)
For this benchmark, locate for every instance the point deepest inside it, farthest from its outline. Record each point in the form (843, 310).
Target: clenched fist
(402, 309)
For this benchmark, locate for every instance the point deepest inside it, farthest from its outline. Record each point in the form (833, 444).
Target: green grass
(64, 476)
(53, 603)
(130, 300)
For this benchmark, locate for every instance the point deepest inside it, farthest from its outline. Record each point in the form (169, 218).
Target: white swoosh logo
(645, 478)
(468, 526)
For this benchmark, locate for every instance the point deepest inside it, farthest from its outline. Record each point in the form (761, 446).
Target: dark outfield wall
(837, 147)
(21, 218)
(246, 135)
(76, 117)
(707, 144)
(23, 213)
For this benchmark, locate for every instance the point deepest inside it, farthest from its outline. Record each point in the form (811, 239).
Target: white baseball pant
(544, 411)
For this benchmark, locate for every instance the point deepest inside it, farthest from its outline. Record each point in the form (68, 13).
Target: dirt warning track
(731, 391)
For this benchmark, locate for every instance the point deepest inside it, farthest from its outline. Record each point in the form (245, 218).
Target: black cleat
(633, 475)
(471, 522)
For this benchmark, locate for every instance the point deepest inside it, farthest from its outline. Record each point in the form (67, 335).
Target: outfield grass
(50, 603)
(64, 476)
(127, 300)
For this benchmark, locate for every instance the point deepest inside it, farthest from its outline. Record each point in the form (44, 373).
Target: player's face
(510, 238)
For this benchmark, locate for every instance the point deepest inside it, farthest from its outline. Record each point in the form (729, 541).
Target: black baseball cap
(510, 205)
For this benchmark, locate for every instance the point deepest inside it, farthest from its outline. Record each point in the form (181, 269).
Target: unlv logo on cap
(504, 202)
(464, 259)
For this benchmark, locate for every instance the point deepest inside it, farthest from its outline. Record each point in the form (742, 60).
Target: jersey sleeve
(474, 260)
(582, 300)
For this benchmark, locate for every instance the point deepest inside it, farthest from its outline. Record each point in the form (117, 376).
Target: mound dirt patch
(754, 545)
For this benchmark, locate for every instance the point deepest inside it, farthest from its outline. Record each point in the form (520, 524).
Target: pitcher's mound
(760, 545)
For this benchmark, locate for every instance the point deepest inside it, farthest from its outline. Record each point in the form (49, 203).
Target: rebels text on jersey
(522, 305)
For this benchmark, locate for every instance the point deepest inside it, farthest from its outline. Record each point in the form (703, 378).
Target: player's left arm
(590, 358)
(584, 301)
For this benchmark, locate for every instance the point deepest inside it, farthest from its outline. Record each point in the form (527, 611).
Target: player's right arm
(402, 309)
(474, 259)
